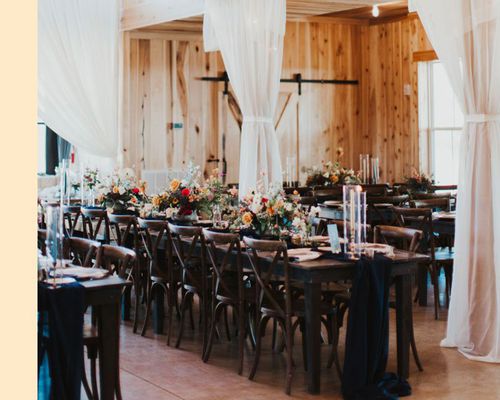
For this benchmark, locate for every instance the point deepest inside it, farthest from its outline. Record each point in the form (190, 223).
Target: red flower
(264, 200)
(185, 192)
(135, 190)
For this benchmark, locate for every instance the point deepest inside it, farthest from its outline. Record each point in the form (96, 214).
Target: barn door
(286, 125)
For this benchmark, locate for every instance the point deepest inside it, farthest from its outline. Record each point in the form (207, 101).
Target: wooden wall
(389, 95)
(162, 86)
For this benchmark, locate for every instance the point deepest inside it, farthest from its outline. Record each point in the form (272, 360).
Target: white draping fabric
(466, 37)
(249, 35)
(78, 72)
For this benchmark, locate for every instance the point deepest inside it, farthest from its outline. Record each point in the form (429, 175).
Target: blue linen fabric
(60, 341)
(367, 336)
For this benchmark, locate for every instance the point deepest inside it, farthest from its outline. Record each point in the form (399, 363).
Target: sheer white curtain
(249, 34)
(466, 37)
(78, 72)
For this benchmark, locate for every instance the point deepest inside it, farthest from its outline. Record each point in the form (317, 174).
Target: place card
(333, 234)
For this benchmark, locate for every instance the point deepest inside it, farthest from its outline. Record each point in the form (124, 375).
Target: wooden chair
(323, 194)
(421, 219)
(379, 208)
(117, 260)
(93, 221)
(279, 305)
(227, 287)
(435, 203)
(195, 277)
(81, 251)
(71, 215)
(378, 189)
(126, 233)
(161, 273)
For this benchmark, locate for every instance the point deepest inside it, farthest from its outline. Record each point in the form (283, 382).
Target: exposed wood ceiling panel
(304, 8)
(297, 9)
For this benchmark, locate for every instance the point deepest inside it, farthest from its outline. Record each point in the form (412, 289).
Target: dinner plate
(59, 281)
(332, 203)
(79, 272)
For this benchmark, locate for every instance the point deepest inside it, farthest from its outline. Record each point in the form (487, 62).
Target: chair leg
(93, 377)
(85, 383)
(260, 332)
(149, 297)
(287, 329)
(334, 354)
(226, 323)
(218, 309)
(435, 283)
(304, 347)
(137, 303)
(188, 296)
(241, 336)
(414, 350)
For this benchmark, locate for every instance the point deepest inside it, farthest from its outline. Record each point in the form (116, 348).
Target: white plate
(59, 281)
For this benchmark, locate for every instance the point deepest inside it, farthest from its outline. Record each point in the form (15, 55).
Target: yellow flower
(174, 201)
(116, 189)
(156, 201)
(295, 192)
(334, 178)
(247, 218)
(174, 184)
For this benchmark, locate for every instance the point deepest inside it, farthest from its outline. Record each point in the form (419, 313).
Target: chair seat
(248, 293)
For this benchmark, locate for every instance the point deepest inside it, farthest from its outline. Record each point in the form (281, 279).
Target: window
(441, 121)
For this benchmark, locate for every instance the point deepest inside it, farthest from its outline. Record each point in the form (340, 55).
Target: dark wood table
(105, 295)
(312, 274)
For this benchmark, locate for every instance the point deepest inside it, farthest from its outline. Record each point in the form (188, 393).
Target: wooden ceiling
(357, 10)
(388, 11)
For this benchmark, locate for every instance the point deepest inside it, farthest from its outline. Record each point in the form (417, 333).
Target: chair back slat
(81, 251)
(260, 251)
(406, 238)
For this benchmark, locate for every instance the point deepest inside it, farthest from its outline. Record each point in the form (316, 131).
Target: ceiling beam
(152, 12)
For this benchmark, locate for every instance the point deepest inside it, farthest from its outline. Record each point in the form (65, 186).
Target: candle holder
(354, 203)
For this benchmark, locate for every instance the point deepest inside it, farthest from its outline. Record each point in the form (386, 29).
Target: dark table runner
(367, 336)
(60, 341)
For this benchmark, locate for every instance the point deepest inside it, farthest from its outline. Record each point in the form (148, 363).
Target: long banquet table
(313, 273)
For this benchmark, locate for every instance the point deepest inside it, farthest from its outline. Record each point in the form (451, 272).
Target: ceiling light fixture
(375, 11)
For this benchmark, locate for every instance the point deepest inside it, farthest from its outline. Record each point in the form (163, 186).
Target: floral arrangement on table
(418, 182)
(269, 214)
(91, 178)
(331, 173)
(217, 194)
(121, 192)
(183, 199)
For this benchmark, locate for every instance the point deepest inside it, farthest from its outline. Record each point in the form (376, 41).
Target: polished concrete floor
(152, 370)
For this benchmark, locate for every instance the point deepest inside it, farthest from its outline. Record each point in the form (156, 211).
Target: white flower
(170, 211)
(288, 206)
(314, 211)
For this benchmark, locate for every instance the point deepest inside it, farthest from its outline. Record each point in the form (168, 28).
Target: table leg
(312, 295)
(158, 311)
(109, 347)
(422, 285)
(403, 323)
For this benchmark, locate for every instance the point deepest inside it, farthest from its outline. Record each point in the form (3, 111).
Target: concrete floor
(152, 370)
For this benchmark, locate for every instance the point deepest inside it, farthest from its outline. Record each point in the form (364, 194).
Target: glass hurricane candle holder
(354, 207)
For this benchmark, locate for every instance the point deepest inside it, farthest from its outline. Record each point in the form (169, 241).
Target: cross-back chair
(421, 219)
(185, 243)
(161, 272)
(95, 220)
(71, 215)
(227, 286)
(81, 251)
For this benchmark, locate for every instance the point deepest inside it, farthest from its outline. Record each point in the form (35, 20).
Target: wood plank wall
(162, 86)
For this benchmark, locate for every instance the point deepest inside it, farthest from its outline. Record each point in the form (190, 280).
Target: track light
(375, 11)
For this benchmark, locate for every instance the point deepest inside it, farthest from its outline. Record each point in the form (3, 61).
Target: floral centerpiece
(418, 182)
(331, 173)
(217, 196)
(184, 198)
(268, 214)
(121, 192)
